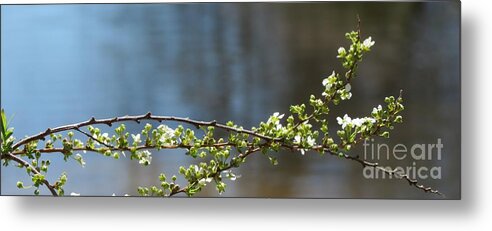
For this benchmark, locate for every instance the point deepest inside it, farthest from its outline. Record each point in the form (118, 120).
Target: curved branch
(319, 148)
(148, 116)
(33, 169)
(111, 148)
(136, 119)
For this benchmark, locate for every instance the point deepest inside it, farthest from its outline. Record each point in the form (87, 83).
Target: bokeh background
(62, 64)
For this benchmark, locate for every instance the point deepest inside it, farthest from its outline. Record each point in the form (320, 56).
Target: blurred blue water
(66, 63)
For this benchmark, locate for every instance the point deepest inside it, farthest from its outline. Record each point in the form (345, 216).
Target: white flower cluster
(97, 137)
(204, 181)
(275, 118)
(309, 140)
(167, 134)
(145, 157)
(376, 110)
(329, 82)
(357, 122)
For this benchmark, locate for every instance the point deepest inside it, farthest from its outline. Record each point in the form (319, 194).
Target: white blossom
(279, 126)
(204, 181)
(325, 82)
(341, 51)
(345, 95)
(361, 121)
(276, 117)
(136, 139)
(79, 159)
(369, 119)
(328, 82)
(310, 141)
(345, 121)
(166, 133)
(145, 157)
(276, 114)
(376, 110)
(357, 122)
(297, 139)
(368, 43)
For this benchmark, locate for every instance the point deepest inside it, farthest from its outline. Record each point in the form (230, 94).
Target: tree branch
(33, 169)
(136, 119)
(111, 148)
(319, 148)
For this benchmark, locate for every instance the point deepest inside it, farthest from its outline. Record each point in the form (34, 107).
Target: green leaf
(4, 125)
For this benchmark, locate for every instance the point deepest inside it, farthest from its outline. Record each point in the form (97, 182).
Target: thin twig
(392, 172)
(358, 26)
(33, 169)
(92, 137)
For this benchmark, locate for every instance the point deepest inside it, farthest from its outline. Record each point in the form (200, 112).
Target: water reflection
(240, 62)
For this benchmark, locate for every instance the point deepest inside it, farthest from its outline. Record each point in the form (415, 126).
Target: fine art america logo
(401, 152)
